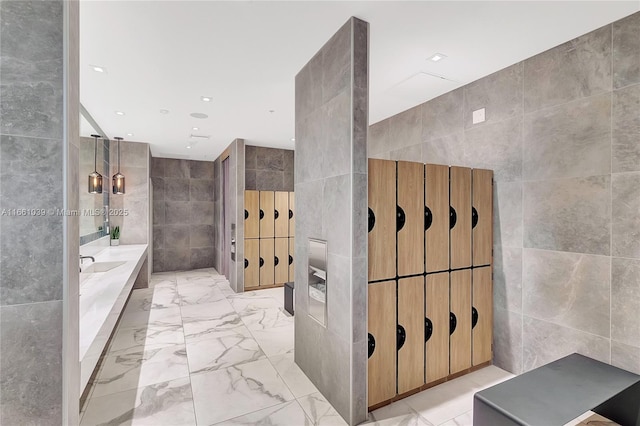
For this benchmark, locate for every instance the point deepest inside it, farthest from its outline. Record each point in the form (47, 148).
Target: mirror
(318, 280)
(93, 207)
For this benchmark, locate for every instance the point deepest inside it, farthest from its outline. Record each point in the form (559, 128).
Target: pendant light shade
(118, 178)
(95, 178)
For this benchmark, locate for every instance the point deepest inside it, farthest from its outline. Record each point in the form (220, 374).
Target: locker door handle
(453, 322)
(428, 329)
(453, 217)
(246, 264)
(474, 317)
(290, 214)
(276, 214)
(401, 218)
(290, 259)
(246, 214)
(372, 219)
(401, 337)
(276, 261)
(474, 217)
(372, 345)
(261, 214)
(428, 218)
(261, 262)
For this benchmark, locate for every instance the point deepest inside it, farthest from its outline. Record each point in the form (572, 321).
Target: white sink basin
(100, 267)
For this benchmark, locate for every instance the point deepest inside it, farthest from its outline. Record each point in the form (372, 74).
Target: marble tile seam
(32, 137)
(570, 252)
(29, 303)
(567, 178)
(580, 99)
(562, 325)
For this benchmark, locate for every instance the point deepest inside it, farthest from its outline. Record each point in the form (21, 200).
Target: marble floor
(190, 351)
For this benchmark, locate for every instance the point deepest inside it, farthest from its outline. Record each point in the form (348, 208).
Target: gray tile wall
(183, 214)
(39, 151)
(331, 192)
(268, 169)
(562, 133)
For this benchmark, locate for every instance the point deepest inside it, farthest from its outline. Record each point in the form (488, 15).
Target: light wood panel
(252, 214)
(252, 263)
(292, 245)
(482, 302)
(382, 202)
(411, 201)
(437, 200)
(267, 205)
(281, 269)
(437, 310)
(281, 218)
(460, 193)
(292, 214)
(382, 326)
(267, 257)
(411, 318)
(482, 185)
(460, 305)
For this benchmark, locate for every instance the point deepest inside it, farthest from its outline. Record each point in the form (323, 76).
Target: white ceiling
(245, 55)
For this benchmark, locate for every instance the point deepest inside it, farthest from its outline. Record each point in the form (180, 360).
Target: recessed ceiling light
(164, 111)
(272, 111)
(206, 98)
(198, 115)
(195, 128)
(97, 68)
(119, 113)
(188, 146)
(437, 57)
(129, 134)
(293, 139)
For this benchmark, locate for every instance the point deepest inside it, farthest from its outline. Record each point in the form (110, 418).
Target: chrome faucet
(93, 259)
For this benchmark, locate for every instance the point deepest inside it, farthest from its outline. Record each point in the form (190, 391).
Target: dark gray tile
(158, 260)
(201, 190)
(201, 236)
(310, 151)
(359, 124)
(176, 212)
(360, 55)
(309, 210)
(507, 278)
(507, 214)
(308, 88)
(576, 69)
(498, 147)
(176, 189)
(201, 258)
(270, 159)
(626, 129)
(336, 63)
(626, 51)
(176, 168)
(443, 115)
(289, 182)
(250, 180)
(405, 129)
(177, 259)
(29, 156)
(507, 340)
(158, 238)
(32, 191)
(544, 342)
(625, 217)
(176, 236)
(159, 212)
(201, 212)
(157, 167)
(569, 140)
(499, 93)
(336, 145)
(568, 215)
(250, 161)
(201, 170)
(158, 188)
(625, 357)
(567, 289)
(625, 301)
(289, 160)
(337, 206)
(31, 363)
(268, 180)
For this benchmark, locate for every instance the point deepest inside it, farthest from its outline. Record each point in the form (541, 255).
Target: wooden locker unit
(281, 262)
(251, 214)
(410, 189)
(411, 333)
(267, 261)
(482, 216)
(482, 315)
(251, 263)
(382, 219)
(460, 330)
(267, 205)
(460, 201)
(437, 217)
(382, 342)
(292, 250)
(292, 215)
(437, 324)
(281, 214)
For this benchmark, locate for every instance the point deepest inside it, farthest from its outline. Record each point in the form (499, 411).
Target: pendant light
(118, 178)
(95, 178)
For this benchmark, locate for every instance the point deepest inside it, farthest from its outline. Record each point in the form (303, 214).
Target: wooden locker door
(382, 342)
(411, 333)
(460, 305)
(251, 214)
(251, 263)
(382, 219)
(292, 215)
(266, 261)
(281, 214)
(292, 250)
(437, 217)
(267, 205)
(411, 218)
(281, 262)
(482, 217)
(482, 315)
(437, 326)
(460, 194)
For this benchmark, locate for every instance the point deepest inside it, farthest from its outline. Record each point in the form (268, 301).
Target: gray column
(331, 204)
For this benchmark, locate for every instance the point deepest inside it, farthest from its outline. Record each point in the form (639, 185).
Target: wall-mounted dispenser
(318, 280)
